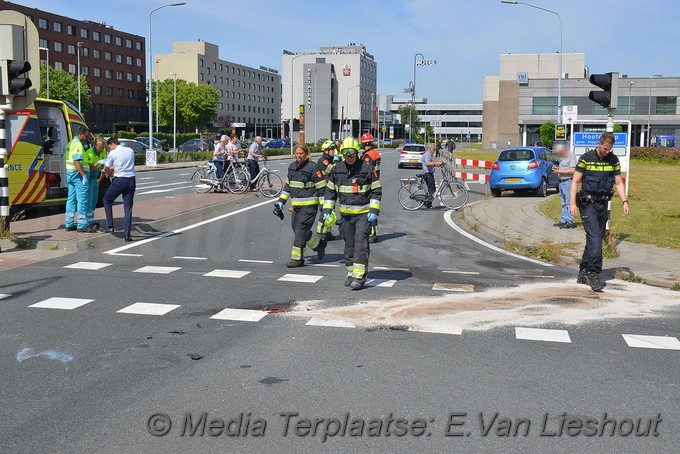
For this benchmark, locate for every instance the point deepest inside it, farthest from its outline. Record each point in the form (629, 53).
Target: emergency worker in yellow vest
(77, 176)
(94, 157)
(304, 186)
(354, 187)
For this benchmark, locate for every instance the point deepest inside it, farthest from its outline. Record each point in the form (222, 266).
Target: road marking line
(184, 174)
(242, 315)
(157, 269)
(483, 243)
(327, 265)
(4, 295)
(659, 342)
(164, 185)
(537, 276)
(459, 272)
(331, 323)
(148, 309)
(547, 335)
(129, 255)
(387, 268)
(256, 261)
(227, 273)
(380, 282)
(88, 265)
(117, 251)
(181, 257)
(453, 287)
(306, 278)
(438, 330)
(61, 303)
(160, 191)
(146, 178)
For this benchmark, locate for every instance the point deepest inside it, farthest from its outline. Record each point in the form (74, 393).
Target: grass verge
(628, 276)
(545, 250)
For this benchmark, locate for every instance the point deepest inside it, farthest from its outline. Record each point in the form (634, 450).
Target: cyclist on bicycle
(428, 164)
(371, 156)
(254, 154)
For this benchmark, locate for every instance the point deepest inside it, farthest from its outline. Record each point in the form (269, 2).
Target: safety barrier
(474, 163)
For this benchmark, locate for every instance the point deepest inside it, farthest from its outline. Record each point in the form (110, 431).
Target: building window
(86, 70)
(58, 65)
(119, 58)
(71, 49)
(84, 33)
(200, 77)
(138, 45)
(666, 105)
(131, 94)
(97, 37)
(200, 63)
(119, 75)
(109, 74)
(71, 68)
(107, 38)
(121, 93)
(70, 30)
(85, 51)
(42, 23)
(97, 90)
(107, 56)
(97, 54)
(140, 79)
(141, 94)
(128, 60)
(97, 72)
(43, 43)
(214, 79)
(57, 26)
(130, 77)
(139, 62)
(545, 105)
(109, 91)
(119, 41)
(128, 43)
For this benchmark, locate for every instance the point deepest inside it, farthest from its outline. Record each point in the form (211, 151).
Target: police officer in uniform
(325, 165)
(304, 185)
(371, 157)
(356, 189)
(78, 177)
(598, 170)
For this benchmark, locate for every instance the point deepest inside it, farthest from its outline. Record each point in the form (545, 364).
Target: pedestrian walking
(355, 188)
(304, 186)
(438, 149)
(598, 170)
(120, 166)
(254, 154)
(78, 179)
(565, 172)
(93, 156)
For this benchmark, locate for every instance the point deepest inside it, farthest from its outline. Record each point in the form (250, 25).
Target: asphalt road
(227, 332)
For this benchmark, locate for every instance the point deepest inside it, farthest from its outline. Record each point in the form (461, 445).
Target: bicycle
(452, 193)
(235, 179)
(268, 183)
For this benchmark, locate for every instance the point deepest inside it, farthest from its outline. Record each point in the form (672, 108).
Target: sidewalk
(516, 218)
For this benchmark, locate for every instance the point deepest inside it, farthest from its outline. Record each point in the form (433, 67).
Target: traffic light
(608, 82)
(15, 83)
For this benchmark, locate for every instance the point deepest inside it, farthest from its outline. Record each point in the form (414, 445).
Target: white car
(411, 155)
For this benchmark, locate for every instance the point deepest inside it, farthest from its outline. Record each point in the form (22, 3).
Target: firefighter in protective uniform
(371, 156)
(304, 185)
(353, 185)
(325, 164)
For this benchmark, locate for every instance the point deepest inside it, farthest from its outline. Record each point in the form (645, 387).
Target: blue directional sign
(585, 139)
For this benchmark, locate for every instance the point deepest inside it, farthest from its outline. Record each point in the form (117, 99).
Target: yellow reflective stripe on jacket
(304, 201)
(320, 184)
(375, 203)
(350, 189)
(300, 184)
(284, 196)
(354, 209)
(376, 185)
(330, 185)
(328, 204)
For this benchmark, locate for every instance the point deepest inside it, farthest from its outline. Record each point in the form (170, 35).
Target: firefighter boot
(321, 250)
(295, 263)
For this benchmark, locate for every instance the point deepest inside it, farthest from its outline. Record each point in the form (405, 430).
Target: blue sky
(466, 37)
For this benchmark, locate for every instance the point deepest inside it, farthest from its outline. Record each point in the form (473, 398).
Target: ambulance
(37, 137)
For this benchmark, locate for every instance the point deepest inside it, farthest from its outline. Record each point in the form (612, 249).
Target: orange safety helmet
(366, 138)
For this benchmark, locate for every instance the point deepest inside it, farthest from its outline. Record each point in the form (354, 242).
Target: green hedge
(656, 154)
(162, 158)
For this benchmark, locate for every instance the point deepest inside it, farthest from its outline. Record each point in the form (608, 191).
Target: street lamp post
(630, 84)
(174, 114)
(649, 109)
(559, 61)
(347, 113)
(157, 77)
(413, 95)
(47, 70)
(150, 60)
(79, 45)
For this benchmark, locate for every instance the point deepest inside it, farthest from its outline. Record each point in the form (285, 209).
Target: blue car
(524, 169)
(277, 143)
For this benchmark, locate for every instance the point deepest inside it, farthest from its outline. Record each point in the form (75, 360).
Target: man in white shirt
(120, 165)
(254, 154)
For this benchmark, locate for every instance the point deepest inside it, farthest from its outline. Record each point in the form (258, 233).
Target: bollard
(4, 177)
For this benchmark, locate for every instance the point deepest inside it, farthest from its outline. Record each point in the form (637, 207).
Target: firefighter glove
(372, 217)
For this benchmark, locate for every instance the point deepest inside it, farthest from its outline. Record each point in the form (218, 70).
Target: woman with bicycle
(429, 164)
(218, 159)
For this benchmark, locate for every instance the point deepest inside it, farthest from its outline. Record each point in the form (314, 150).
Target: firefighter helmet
(327, 145)
(366, 138)
(350, 146)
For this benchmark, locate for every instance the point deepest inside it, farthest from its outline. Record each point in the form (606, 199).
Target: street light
(174, 113)
(559, 61)
(157, 77)
(47, 70)
(347, 104)
(79, 45)
(649, 109)
(413, 95)
(150, 60)
(630, 84)
(290, 132)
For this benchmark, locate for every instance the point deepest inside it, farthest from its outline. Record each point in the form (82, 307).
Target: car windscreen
(414, 148)
(516, 155)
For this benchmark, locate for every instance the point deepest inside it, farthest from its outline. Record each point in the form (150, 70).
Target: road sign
(384, 128)
(583, 142)
(560, 132)
(150, 158)
(391, 132)
(569, 114)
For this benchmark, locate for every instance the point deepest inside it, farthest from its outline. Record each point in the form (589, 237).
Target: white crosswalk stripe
(235, 274)
(88, 265)
(148, 309)
(658, 342)
(380, 283)
(4, 295)
(539, 334)
(242, 315)
(61, 303)
(331, 323)
(305, 278)
(157, 269)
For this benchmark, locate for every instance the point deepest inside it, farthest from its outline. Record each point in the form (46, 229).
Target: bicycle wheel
(201, 178)
(453, 195)
(270, 185)
(237, 181)
(412, 197)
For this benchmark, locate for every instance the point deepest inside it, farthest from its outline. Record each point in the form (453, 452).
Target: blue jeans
(125, 186)
(565, 187)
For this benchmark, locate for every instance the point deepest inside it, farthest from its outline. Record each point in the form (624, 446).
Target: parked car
(157, 144)
(411, 155)
(277, 143)
(137, 147)
(387, 142)
(196, 145)
(524, 169)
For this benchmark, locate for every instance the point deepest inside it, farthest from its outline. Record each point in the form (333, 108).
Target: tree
(405, 113)
(64, 87)
(547, 132)
(196, 104)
